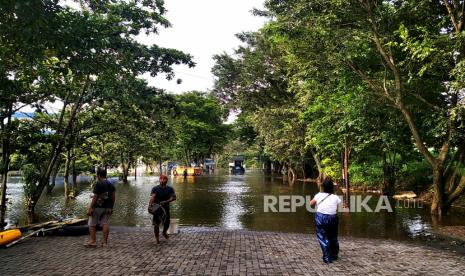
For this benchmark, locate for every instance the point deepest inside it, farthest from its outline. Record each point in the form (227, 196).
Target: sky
(202, 28)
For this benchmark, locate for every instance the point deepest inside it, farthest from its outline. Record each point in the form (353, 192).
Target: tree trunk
(74, 172)
(128, 168)
(50, 187)
(5, 164)
(266, 165)
(291, 174)
(66, 175)
(4, 181)
(125, 164)
(438, 190)
(460, 190)
(125, 176)
(388, 176)
(135, 170)
(161, 165)
(442, 201)
(58, 146)
(275, 169)
(188, 163)
(125, 173)
(303, 169)
(346, 175)
(318, 166)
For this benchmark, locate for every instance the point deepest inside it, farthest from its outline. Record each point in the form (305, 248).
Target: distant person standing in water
(326, 220)
(159, 207)
(101, 208)
(184, 173)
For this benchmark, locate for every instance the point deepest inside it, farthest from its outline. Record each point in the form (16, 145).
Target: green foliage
(256, 78)
(115, 174)
(243, 130)
(381, 78)
(415, 176)
(331, 167)
(88, 59)
(367, 174)
(31, 177)
(16, 162)
(199, 128)
(237, 147)
(281, 132)
(255, 81)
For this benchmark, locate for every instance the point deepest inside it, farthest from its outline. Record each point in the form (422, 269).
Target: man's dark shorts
(100, 216)
(160, 217)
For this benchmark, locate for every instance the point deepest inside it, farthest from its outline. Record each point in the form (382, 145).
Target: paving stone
(204, 251)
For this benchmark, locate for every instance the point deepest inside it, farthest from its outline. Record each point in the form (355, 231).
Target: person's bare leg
(92, 235)
(165, 231)
(166, 226)
(106, 233)
(156, 231)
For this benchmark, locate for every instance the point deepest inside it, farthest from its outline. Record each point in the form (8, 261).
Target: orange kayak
(9, 235)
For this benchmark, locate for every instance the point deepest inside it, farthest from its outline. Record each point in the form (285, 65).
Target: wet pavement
(216, 251)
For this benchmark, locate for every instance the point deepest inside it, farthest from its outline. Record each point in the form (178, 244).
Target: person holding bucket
(159, 207)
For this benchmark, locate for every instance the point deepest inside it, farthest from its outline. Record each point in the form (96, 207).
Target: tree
(256, 81)
(22, 52)
(82, 54)
(199, 128)
(406, 52)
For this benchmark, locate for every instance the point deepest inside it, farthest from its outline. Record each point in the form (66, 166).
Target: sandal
(89, 245)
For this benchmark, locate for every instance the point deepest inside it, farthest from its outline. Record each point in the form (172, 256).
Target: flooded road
(230, 202)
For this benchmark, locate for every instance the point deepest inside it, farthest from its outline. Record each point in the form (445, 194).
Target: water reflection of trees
(230, 202)
(199, 202)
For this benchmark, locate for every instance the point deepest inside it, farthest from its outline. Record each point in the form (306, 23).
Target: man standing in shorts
(101, 208)
(159, 207)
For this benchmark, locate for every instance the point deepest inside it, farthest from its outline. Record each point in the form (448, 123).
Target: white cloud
(54, 107)
(202, 28)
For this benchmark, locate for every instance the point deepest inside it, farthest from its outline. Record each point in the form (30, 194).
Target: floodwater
(232, 202)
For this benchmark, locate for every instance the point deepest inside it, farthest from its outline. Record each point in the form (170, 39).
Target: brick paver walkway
(216, 251)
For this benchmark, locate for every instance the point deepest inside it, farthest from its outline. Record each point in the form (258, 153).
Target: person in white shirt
(326, 220)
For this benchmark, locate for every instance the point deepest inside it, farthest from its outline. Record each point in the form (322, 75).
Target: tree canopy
(381, 78)
(86, 58)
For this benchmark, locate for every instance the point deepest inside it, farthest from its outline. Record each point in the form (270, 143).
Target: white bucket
(173, 229)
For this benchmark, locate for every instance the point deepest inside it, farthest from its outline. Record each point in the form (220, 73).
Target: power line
(193, 75)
